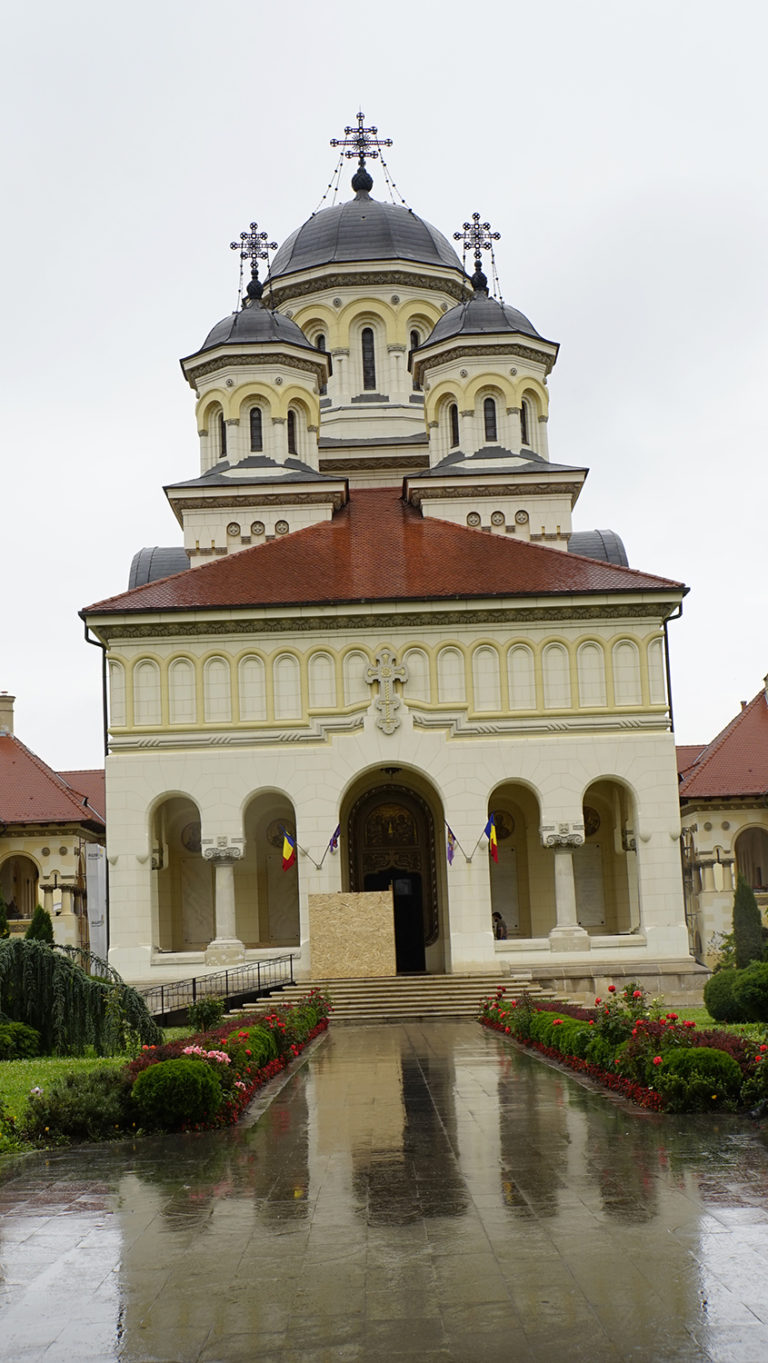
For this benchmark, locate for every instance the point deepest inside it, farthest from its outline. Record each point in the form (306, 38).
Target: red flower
(611, 988)
(657, 1060)
(764, 1048)
(638, 994)
(673, 1016)
(558, 1022)
(689, 1023)
(598, 1001)
(591, 1022)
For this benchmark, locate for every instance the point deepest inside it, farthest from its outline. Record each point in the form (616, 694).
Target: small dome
(363, 229)
(480, 316)
(253, 325)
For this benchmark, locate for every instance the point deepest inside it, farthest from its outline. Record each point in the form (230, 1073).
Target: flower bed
(633, 1047)
(191, 1084)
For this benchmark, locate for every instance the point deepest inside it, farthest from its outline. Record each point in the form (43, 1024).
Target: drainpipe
(676, 616)
(105, 727)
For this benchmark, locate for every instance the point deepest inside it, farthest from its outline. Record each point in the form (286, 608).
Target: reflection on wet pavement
(417, 1191)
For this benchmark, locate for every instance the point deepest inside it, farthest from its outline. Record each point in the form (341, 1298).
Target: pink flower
(657, 1060)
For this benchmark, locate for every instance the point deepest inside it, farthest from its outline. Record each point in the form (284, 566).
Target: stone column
(707, 869)
(47, 890)
(567, 934)
(728, 881)
(65, 926)
(226, 947)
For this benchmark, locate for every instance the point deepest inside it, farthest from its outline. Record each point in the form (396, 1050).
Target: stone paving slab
(417, 1191)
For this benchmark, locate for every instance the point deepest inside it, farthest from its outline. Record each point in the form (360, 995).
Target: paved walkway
(412, 1192)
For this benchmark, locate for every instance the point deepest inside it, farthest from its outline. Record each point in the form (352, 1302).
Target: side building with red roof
(380, 632)
(724, 806)
(49, 821)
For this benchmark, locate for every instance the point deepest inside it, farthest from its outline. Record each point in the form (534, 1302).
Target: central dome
(363, 229)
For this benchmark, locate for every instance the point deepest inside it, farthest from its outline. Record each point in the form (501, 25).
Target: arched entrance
(18, 886)
(752, 858)
(391, 842)
(183, 881)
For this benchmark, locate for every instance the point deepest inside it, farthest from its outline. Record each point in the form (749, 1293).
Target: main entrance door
(391, 842)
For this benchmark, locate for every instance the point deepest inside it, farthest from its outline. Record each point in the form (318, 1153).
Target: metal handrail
(241, 982)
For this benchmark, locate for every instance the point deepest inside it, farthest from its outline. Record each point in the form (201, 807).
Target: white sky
(618, 147)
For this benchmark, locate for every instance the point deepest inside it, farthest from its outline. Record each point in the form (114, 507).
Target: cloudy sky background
(618, 147)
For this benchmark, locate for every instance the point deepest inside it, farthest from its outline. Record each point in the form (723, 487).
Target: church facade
(383, 640)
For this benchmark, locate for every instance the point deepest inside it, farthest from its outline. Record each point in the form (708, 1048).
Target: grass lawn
(17, 1077)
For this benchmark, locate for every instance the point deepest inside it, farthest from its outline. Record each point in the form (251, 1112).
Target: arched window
(257, 440)
(489, 417)
(320, 343)
(524, 437)
(415, 340)
(291, 432)
(222, 436)
(369, 360)
(453, 419)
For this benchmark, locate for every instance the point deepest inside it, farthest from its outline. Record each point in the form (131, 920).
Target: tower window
(320, 343)
(222, 436)
(369, 360)
(489, 417)
(415, 342)
(526, 430)
(257, 441)
(453, 418)
(291, 432)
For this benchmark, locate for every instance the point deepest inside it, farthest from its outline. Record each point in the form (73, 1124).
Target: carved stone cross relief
(386, 672)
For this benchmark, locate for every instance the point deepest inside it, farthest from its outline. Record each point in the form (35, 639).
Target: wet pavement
(412, 1192)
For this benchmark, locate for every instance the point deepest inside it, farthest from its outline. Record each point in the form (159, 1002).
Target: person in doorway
(499, 928)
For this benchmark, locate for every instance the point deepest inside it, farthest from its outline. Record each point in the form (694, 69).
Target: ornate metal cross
(386, 672)
(477, 236)
(254, 246)
(361, 141)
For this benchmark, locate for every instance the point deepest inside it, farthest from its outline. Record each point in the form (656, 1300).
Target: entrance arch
(752, 857)
(391, 842)
(18, 885)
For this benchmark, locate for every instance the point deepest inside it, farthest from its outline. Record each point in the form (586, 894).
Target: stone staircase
(406, 998)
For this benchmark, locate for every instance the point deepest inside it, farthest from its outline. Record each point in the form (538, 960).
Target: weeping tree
(747, 925)
(48, 990)
(5, 931)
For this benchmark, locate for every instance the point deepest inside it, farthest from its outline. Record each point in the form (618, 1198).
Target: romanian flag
(289, 850)
(490, 833)
(333, 845)
(451, 844)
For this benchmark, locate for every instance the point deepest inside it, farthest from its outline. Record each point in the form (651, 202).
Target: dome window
(292, 432)
(369, 360)
(453, 422)
(257, 437)
(489, 418)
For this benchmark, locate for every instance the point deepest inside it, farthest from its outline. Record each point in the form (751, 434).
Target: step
(401, 998)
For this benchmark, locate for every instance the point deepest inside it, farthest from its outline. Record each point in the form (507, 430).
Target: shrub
(18, 1042)
(176, 1093)
(747, 925)
(698, 1079)
(750, 991)
(90, 1105)
(720, 997)
(205, 1013)
(41, 927)
(260, 1041)
(5, 931)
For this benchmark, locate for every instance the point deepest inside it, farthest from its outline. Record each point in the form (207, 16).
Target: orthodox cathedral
(383, 668)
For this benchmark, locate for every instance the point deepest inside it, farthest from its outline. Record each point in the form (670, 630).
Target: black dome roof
(252, 325)
(480, 315)
(363, 229)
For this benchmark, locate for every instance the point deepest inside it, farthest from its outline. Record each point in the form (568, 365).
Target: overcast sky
(618, 147)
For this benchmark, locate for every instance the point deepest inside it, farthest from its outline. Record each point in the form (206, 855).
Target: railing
(233, 986)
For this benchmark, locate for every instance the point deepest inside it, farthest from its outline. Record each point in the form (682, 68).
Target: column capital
(561, 835)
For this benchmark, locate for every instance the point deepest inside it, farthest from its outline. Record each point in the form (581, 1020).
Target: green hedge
(175, 1093)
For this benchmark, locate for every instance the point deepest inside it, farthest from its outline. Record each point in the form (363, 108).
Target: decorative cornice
(467, 488)
(562, 837)
(327, 622)
(255, 359)
(322, 498)
(285, 288)
(387, 461)
(459, 726)
(460, 352)
(317, 731)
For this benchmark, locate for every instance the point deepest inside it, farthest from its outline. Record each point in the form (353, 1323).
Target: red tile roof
(31, 792)
(90, 782)
(378, 548)
(687, 754)
(736, 762)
